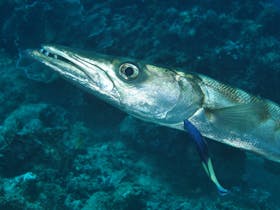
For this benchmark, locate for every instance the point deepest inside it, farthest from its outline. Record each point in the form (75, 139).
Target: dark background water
(79, 157)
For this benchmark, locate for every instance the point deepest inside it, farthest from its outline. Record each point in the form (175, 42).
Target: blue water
(62, 148)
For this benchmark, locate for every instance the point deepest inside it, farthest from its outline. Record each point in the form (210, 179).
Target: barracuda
(186, 101)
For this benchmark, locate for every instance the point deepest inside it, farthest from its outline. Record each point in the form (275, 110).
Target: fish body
(170, 97)
(234, 117)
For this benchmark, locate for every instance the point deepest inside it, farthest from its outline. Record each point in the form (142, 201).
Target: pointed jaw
(88, 71)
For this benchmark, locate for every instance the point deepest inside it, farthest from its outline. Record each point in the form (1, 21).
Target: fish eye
(128, 71)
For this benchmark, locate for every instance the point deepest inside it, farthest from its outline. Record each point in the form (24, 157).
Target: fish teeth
(47, 53)
(43, 51)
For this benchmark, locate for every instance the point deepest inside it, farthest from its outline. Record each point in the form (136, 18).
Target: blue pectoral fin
(202, 149)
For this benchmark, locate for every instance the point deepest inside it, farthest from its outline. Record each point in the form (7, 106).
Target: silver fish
(169, 97)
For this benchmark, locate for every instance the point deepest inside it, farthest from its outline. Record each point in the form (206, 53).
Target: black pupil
(128, 71)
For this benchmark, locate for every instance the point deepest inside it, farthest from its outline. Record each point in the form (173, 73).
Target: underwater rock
(10, 184)
(15, 192)
(21, 122)
(99, 200)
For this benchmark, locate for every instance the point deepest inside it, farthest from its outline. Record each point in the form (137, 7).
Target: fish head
(145, 91)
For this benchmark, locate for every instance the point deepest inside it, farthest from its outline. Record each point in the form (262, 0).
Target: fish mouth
(59, 59)
(88, 70)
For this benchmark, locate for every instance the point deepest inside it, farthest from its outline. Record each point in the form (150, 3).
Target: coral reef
(59, 149)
